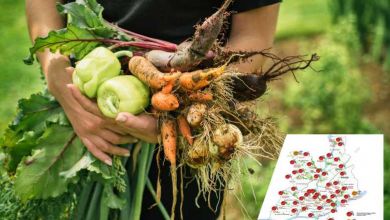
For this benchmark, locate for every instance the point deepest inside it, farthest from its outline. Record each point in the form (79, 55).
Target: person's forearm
(253, 30)
(43, 17)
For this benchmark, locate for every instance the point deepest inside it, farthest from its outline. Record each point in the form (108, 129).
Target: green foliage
(255, 185)
(372, 22)
(68, 41)
(34, 113)
(12, 208)
(59, 149)
(331, 100)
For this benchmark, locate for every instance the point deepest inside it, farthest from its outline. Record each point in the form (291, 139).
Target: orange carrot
(169, 139)
(185, 129)
(200, 78)
(165, 102)
(144, 70)
(200, 97)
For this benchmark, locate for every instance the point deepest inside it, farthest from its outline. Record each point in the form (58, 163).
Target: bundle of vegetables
(204, 108)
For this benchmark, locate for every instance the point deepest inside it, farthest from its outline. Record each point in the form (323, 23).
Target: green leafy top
(84, 29)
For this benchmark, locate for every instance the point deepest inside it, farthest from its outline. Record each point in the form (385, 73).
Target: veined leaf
(22, 134)
(82, 164)
(71, 40)
(38, 176)
(87, 15)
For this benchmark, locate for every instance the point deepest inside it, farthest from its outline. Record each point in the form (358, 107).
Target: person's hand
(98, 133)
(143, 126)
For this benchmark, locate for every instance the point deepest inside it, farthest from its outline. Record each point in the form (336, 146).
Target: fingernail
(121, 118)
(126, 154)
(69, 86)
(108, 162)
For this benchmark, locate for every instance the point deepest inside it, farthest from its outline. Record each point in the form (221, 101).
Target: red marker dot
(337, 191)
(340, 144)
(304, 208)
(287, 176)
(306, 194)
(316, 176)
(283, 203)
(344, 188)
(341, 166)
(338, 139)
(300, 170)
(346, 196)
(319, 207)
(336, 159)
(329, 154)
(324, 173)
(293, 188)
(332, 196)
(294, 172)
(343, 201)
(342, 173)
(318, 170)
(316, 194)
(328, 201)
(292, 161)
(333, 204)
(321, 158)
(308, 164)
(293, 210)
(306, 154)
(310, 215)
(330, 219)
(328, 184)
(349, 214)
(335, 182)
(295, 203)
(274, 208)
(323, 197)
(301, 198)
(280, 193)
(333, 210)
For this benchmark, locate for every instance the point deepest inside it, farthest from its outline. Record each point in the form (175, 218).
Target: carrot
(185, 129)
(200, 78)
(169, 139)
(149, 74)
(190, 54)
(200, 96)
(164, 102)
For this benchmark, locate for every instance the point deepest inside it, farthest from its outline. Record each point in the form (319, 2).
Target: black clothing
(171, 20)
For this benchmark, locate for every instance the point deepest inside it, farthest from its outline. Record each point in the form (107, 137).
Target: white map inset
(327, 177)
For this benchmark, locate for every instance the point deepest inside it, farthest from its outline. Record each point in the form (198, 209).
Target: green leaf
(20, 137)
(112, 200)
(87, 15)
(82, 164)
(38, 176)
(71, 40)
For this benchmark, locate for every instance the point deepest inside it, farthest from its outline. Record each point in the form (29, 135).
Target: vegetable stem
(159, 204)
(122, 53)
(142, 172)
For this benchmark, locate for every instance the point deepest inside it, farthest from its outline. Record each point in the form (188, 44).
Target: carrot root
(164, 102)
(185, 129)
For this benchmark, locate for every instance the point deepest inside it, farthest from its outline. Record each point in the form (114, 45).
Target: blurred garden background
(349, 94)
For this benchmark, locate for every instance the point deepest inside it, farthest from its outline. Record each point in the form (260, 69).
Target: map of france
(325, 177)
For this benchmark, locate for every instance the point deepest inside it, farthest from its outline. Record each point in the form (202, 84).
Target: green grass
(17, 80)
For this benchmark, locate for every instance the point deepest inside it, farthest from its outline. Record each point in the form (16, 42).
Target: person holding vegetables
(252, 28)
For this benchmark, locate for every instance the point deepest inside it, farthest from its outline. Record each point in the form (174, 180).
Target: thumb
(69, 70)
(123, 117)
